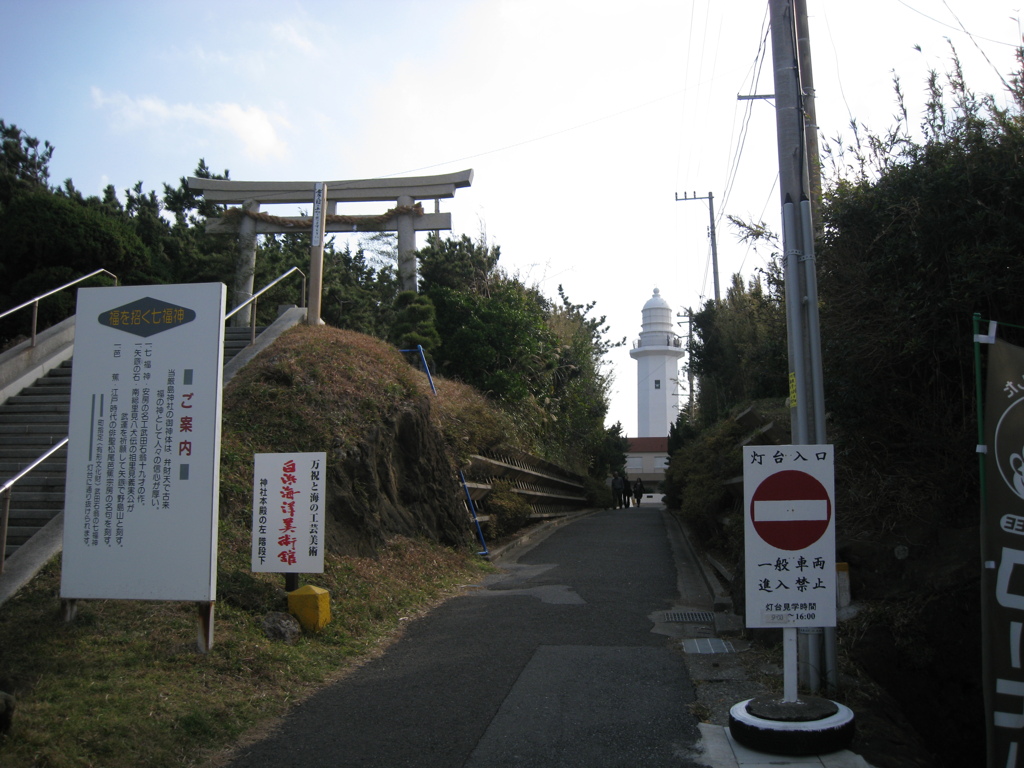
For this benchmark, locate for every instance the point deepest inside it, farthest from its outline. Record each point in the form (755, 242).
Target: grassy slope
(124, 686)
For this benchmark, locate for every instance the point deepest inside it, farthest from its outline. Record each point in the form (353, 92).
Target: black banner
(1002, 552)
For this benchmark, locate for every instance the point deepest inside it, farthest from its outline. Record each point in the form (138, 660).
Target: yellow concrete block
(311, 606)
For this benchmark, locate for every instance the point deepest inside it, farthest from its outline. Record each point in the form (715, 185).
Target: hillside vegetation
(920, 232)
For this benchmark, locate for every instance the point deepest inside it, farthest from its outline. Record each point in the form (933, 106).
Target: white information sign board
(287, 512)
(143, 468)
(789, 535)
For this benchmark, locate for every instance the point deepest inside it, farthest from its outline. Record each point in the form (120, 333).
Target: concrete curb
(720, 595)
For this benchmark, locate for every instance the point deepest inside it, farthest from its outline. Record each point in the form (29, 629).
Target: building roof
(648, 444)
(657, 302)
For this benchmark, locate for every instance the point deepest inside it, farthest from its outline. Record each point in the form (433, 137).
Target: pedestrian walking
(618, 489)
(638, 491)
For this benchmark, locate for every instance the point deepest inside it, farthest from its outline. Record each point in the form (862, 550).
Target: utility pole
(807, 399)
(810, 113)
(819, 718)
(689, 351)
(714, 242)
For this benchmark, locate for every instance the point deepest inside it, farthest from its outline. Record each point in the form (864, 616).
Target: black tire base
(792, 737)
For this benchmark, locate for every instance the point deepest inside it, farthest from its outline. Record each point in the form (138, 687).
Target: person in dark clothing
(619, 489)
(638, 491)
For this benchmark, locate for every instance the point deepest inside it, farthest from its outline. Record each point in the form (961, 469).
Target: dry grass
(123, 685)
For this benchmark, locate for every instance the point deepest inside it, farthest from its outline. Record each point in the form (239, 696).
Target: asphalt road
(552, 662)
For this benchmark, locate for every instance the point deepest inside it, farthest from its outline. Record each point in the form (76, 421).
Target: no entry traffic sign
(790, 510)
(789, 535)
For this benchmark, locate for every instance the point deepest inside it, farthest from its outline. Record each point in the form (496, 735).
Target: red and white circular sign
(790, 510)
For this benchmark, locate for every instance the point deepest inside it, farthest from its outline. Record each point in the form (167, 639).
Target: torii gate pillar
(245, 265)
(406, 247)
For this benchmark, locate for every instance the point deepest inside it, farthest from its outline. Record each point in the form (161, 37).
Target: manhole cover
(689, 617)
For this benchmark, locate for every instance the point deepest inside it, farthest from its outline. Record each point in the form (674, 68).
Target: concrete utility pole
(810, 112)
(807, 399)
(689, 349)
(770, 721)
(714, 241)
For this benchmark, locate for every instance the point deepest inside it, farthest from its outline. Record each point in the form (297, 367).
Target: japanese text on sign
(287, 532)
(140, 504)
(789, 535)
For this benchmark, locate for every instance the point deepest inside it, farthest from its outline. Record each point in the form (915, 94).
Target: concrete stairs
(30, 423)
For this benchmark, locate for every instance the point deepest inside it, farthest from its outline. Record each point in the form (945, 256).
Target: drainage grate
(689, 617)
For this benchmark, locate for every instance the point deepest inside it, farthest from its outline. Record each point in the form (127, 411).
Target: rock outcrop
(398, 480)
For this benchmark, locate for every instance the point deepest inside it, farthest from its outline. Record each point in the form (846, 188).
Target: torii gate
(406, 218)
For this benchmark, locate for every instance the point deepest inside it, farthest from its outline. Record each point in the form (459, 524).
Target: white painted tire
(797, 738)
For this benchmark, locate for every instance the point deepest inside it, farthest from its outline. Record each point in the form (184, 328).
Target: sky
(583, 121)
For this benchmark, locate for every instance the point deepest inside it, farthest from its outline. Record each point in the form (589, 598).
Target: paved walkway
(555, 661)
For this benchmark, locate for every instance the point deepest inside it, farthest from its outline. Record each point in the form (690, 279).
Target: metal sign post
(789, 542)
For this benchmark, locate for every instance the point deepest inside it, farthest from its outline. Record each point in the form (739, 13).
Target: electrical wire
(960, 28)
(755, 76)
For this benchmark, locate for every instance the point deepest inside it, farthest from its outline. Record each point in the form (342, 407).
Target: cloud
(288, 33)
(256, 129)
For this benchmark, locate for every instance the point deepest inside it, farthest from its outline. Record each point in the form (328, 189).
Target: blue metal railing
(469, 499)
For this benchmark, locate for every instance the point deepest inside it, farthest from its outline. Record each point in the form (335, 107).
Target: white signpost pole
(143, 467)
(789, 543)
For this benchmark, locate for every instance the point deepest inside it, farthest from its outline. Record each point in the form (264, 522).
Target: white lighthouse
(657, 354)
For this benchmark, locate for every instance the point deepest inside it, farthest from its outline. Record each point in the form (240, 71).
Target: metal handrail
(6, 491)
(253, 300)
(35, 302)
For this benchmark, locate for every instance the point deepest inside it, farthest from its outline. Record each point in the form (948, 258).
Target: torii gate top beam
(358, 190)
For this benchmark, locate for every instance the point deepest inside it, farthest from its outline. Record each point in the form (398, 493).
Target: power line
(950, 26)
(756, 66)
(535, 139)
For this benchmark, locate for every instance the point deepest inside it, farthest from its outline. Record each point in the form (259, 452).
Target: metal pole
(798, 175)
(252, 323)
(829, 663)
(812, 327)
(714, 246)
(789, 665)
(689, 362)
(790, 127)
(714, 240)
(795, 329)
(3, 528)
(810, 113)
(204, 638)
(462, 477)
